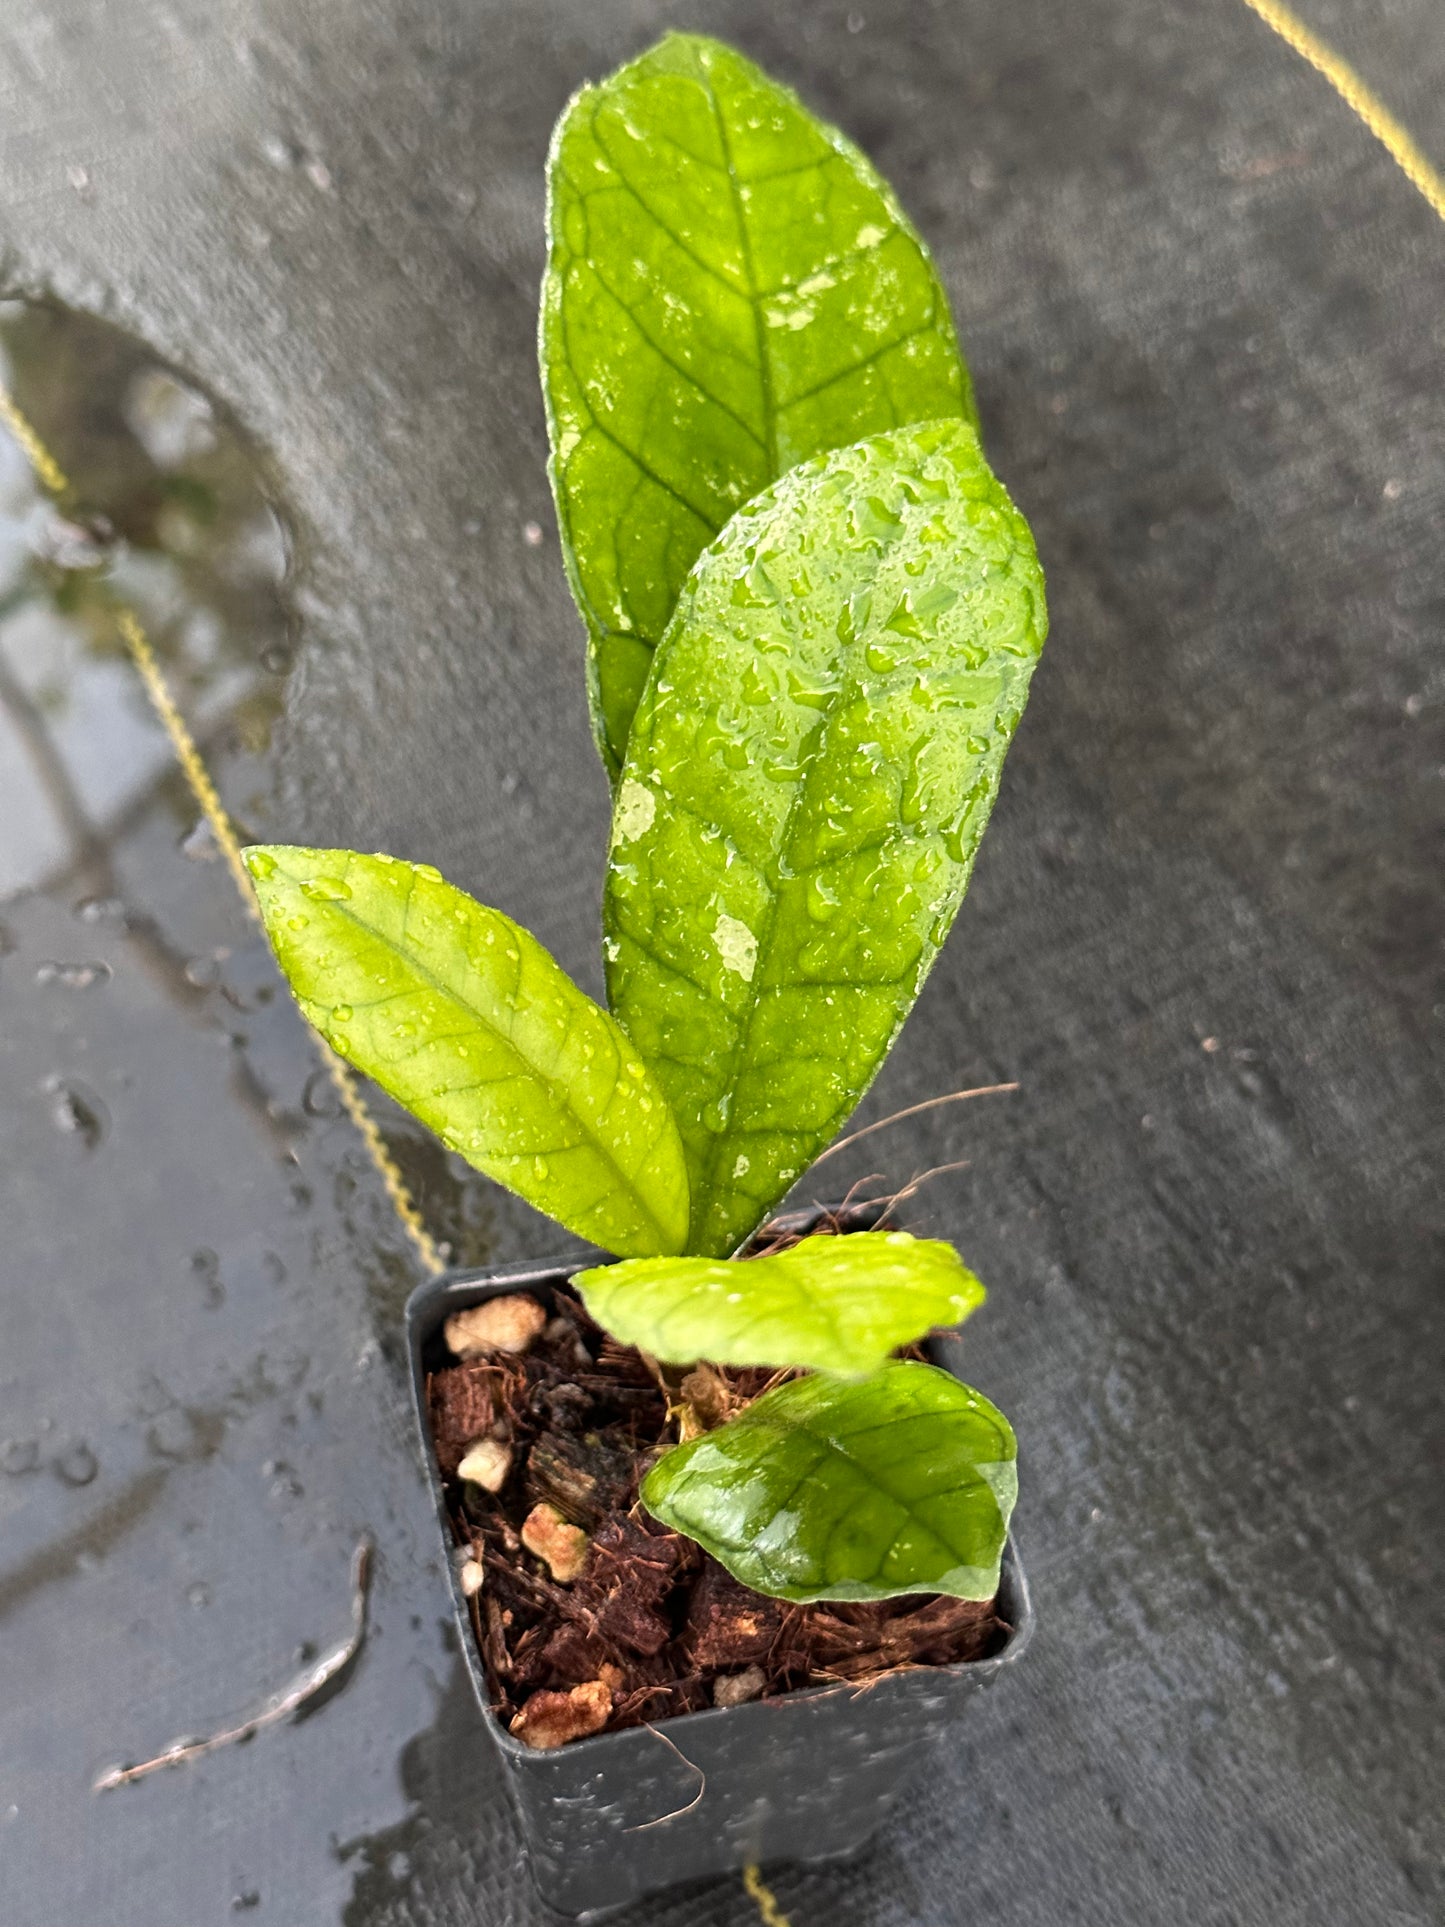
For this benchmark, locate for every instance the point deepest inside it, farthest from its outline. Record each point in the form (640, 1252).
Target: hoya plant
(812, 613)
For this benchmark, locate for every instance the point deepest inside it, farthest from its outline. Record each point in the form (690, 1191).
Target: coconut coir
(653, 1625)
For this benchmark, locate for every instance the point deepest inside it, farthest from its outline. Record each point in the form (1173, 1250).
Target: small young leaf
(850, 1489)
(462, 1017)
(731, 289)
(837, 1304)
(808, 776)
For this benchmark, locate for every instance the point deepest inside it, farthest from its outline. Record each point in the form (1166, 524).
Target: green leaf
(731, 288)
(850, 1489)
(462, 1017)
(809, 773)
(837, 1304)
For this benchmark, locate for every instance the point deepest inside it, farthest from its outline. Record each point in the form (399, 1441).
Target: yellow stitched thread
(764, 1899)
(204, 791)
(38, 455)
(401, 1199)
(187, 755)
(1396, 140)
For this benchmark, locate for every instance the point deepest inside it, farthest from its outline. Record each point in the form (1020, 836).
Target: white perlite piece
(471, 1577)
(486, 1464)
(550, 1537)
(497, 1325)
(735, 1689)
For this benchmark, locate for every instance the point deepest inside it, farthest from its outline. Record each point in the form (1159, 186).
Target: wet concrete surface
(1203, 313)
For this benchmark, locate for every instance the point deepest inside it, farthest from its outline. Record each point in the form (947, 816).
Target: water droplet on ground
(19, 1456)
(72, 976)
(76, 1111)
(284, 1482)
(207, 1268)
(321, 1097)
(75, 1464)
(100, 910)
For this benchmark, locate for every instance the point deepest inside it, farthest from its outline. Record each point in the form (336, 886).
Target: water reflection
(173, 519)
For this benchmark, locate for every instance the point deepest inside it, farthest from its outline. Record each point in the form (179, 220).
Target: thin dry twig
(891, 1199)
(851, 1197)
(691, 1766)
(292, 1699)
(917, 1184)
(929, 1104)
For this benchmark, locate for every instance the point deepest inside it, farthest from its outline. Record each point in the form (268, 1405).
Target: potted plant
(707, 1482)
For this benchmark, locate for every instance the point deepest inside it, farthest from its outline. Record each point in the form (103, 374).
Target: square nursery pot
(808, 1775)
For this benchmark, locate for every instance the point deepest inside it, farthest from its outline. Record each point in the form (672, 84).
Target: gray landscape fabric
(1201, 310)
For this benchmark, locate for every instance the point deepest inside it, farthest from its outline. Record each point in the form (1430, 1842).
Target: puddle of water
(173, 515)
(459, 1822)
(204, 1399)
(174, 518)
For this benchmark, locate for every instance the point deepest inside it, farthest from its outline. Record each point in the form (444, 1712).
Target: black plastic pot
(809, 1775)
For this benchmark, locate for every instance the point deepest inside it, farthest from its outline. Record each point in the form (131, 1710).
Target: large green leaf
(837, 1304)
(731, 288)
(809, 773)
(465, 1019)
(833, 1488)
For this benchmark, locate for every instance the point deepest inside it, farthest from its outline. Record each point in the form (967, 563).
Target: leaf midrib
(740, 1051)
(827, 1446)
(765, 370)
(908, 1506)
(537, 1075)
